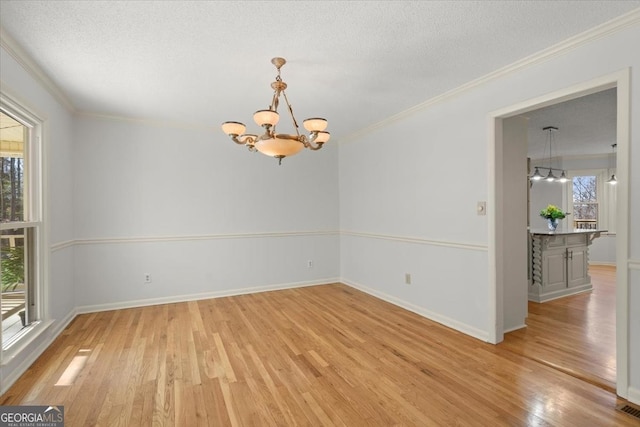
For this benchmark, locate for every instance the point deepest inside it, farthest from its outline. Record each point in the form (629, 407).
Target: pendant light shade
(563, 178)
(537, 176)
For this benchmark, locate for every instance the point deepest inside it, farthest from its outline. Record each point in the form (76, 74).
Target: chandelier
(271, 143)
(537, 176)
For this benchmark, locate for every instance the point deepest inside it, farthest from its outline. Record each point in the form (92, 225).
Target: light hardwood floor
(321, 356)
(575, 334)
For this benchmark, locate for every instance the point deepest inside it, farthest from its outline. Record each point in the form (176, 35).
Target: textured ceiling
(586, 125)
(353, 62)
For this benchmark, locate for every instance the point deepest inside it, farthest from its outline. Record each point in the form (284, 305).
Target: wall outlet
(147, 277)
(310, 263)
(407, 278)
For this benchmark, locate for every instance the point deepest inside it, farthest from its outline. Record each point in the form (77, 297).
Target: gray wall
(405, 217)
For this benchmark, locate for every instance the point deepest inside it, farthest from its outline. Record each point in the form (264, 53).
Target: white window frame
(606, 196)
(34, 218)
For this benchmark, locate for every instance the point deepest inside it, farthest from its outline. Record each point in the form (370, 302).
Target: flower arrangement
(553, 212)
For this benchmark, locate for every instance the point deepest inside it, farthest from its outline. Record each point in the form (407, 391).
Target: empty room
(252, 213)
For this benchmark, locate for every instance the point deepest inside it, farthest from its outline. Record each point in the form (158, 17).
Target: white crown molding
(17, 52)
(612, 26)
(417, 240)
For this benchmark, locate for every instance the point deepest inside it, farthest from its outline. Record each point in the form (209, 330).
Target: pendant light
(550, 177)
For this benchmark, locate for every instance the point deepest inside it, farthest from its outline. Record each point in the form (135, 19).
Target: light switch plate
(481, 208)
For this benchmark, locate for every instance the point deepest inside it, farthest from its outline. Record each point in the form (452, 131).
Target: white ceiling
(353, 62)
(586, 126)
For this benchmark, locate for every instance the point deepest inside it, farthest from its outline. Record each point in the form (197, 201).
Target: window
(590, 200)
(585, 202)
(21, 225)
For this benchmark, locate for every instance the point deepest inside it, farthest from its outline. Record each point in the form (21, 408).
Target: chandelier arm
(298, 138)
(308, 142)
(314, 148)
(268, 134)
(295, 123)
(235, 139)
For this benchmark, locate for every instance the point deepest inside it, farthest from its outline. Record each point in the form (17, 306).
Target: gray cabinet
(559, 264)
(577, 266)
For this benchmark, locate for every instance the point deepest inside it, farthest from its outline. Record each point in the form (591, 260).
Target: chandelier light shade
(274, 144)
(266, 118)
(315, 125)
(233, 128)
(550, 177)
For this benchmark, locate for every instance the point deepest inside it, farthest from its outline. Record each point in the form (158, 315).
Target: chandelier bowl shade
(272, 143)
(315, 124)
(266, 117)
(233, 128)
(276, 147)
(322, 137)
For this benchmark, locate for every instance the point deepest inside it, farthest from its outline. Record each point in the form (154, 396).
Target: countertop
(561, 231)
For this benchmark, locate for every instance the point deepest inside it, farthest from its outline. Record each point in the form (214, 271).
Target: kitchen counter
(560, 262)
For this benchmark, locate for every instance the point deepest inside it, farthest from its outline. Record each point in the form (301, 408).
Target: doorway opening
(506, 233)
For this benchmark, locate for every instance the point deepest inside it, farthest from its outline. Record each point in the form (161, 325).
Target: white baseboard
(633, 395)
(195, 297)
(515, 328)
(612, 264)
(443, 320)
(31, 357)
